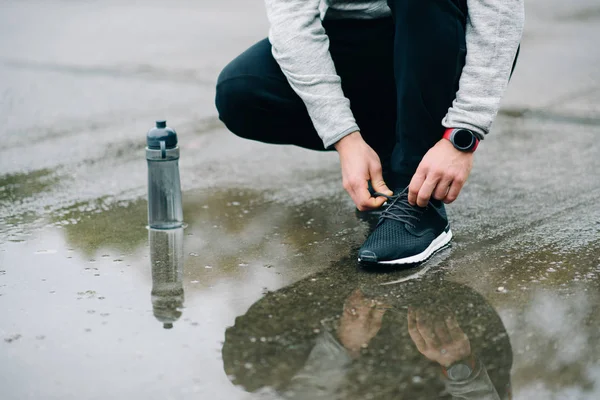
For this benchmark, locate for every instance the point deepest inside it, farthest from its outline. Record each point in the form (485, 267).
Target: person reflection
(423, 339)
(166, 258)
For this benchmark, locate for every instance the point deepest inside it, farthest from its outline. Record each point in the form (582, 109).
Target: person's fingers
(414, 332)
(455, 188)
(376, 202)
(365, 307)
(415, 185)
(377, 180)
(442, 188)
(454, 329)
(376, 316)
(427, 190)
(382, 305)
(378, 313)
(359, 192)
(441, 331)
(354, 298)
(425, 328)
(360, 306)
(366, 201)
(377, 309)
(349, 188)
(381, 187)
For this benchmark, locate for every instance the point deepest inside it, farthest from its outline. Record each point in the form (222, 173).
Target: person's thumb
(378, 183)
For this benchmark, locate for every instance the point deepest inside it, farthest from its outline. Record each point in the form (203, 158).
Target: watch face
(459, 372)
(463, 139)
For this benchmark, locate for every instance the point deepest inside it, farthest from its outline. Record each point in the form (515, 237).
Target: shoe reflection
(339, 336)
(166, 258)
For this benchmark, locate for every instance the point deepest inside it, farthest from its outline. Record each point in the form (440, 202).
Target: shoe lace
(399, 209)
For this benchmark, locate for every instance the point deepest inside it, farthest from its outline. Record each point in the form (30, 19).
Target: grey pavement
(271, 235)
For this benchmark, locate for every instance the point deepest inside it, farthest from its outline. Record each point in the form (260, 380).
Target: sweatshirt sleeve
(494, 30)
(301, 48)
(323, 373)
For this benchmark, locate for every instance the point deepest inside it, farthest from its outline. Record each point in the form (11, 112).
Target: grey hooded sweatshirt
(301, 48)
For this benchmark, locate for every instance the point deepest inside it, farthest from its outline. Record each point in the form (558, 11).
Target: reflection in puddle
(360, 339)
(15, 188)
(260, 271)
(166, 257)
(103, 225)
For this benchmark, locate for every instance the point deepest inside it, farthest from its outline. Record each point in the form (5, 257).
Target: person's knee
(243, 90)
(234, 100)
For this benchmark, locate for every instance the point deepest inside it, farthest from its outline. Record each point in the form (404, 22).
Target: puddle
(19, 186)
(341, 335)
(260, 293)
(256, 296)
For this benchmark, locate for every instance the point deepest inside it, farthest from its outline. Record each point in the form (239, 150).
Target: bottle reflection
(166, 257)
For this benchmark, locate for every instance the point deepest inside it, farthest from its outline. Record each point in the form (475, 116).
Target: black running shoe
(406, 234)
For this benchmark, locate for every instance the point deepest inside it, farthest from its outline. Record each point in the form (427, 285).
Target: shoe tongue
(403, 206)
(400, 208)
(401, 192)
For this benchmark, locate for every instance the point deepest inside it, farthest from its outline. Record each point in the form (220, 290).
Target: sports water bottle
(166, 257)
(164, 187)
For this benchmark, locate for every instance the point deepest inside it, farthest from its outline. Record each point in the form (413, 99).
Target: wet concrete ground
(273, 301)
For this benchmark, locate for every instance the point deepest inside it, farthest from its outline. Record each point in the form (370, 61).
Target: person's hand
(360, 322)
(438, 337)
(360, 164)
(441, 174)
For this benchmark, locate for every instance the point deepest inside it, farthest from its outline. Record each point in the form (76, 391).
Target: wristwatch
(460, 370)
(462, 139)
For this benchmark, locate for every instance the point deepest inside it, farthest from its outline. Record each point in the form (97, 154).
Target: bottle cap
(161, 133)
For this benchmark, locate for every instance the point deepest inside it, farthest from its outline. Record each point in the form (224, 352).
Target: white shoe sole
(436, 245)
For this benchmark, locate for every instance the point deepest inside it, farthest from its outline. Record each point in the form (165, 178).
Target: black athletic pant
(401, 75)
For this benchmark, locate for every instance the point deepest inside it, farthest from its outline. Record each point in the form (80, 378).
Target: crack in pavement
(553, 116)
(144, 72)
